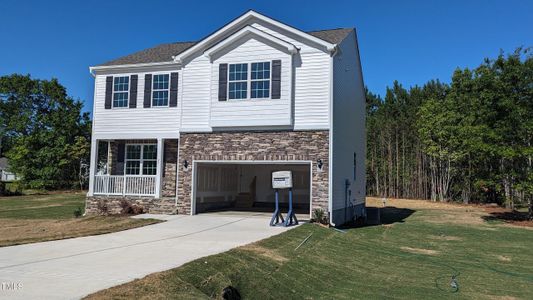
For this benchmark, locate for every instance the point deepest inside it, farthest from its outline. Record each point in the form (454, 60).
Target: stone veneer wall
(170, 160)
(278, 145)
(165, 205)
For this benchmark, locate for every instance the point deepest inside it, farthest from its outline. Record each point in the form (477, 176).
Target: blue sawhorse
(277, 213)
(291, 216)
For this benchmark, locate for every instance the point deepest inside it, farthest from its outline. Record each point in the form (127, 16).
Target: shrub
(130, 209)
(102, 207)
(78, 212)
(2, 188)
(320, 216)
(12, 188)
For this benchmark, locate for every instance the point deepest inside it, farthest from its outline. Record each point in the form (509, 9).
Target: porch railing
(143, 185)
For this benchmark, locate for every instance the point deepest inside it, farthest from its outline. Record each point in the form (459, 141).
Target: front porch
(141, 171)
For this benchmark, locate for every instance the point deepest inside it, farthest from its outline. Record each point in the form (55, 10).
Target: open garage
(247, 186)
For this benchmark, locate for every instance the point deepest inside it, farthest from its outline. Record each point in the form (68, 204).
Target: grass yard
(38, 218)
(414, 254)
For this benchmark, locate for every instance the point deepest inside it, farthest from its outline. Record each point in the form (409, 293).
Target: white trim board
(249, 30)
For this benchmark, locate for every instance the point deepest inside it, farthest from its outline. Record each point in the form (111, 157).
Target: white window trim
(141, 160)
(113, 93)
(269, 81)
(249, 83)
(160, 90)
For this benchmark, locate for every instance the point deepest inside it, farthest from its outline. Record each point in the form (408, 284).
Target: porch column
(92, 166)
(158, 181)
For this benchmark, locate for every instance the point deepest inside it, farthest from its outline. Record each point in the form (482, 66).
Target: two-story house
(190, 127)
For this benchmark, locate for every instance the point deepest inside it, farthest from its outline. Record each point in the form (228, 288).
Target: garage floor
(73, 268)
(259, 214)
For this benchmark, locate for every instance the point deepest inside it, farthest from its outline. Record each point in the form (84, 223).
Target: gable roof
(165, 52)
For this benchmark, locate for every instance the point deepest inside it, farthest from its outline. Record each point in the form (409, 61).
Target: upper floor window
(254, 76)
(260, 80)
(238, 81)
(121, 87)
(141, 159)
(160, 90)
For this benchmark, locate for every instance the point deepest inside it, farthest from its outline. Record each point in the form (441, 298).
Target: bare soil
(455, 212)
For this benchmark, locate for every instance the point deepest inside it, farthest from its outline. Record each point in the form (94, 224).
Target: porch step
(244, 200)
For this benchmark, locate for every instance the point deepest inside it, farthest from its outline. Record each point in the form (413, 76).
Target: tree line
(43, 132)
(469, 141)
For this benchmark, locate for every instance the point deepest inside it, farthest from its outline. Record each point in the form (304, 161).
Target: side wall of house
(348, 189)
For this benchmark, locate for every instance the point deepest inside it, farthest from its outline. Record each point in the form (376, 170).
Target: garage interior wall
(241, 186)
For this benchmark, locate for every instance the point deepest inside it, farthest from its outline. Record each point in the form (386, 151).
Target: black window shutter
(173, 89)
(121, 149)
(133, 91)
(147, 91)
(222, 82)
(276, 79)
(108, 91)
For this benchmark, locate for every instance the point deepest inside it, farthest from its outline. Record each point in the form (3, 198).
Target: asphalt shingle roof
(164, 52)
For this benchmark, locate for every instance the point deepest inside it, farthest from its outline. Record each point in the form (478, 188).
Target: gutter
(118, 67)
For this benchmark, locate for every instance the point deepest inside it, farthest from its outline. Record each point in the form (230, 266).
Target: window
(260, 80)
(121, 87)
(354, 165)
(160, 90)
(238, 81)
(141, 159)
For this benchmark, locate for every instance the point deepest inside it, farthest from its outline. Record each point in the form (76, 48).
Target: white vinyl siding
(311, 86)
(136, 122)
(196, 95)
(258, 111)
(304, 102)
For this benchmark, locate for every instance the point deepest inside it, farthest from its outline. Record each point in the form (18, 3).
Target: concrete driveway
(73, 268)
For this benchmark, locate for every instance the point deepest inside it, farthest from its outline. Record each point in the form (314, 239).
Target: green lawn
(38, 218)
(414, 256)
(47, 206)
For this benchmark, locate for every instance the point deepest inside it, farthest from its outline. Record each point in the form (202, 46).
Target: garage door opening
(247, 187)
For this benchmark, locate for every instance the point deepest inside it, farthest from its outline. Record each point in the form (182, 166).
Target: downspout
(330, 150)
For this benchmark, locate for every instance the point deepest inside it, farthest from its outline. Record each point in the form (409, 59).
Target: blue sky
(408, 41)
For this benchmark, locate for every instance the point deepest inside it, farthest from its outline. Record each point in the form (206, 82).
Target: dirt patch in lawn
(16, 231)
(268, 253)
(420, 251)
(445, 238)
(504, 258)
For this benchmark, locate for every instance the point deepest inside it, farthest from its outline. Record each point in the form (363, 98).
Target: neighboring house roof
(4, 163)
(164, 52)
